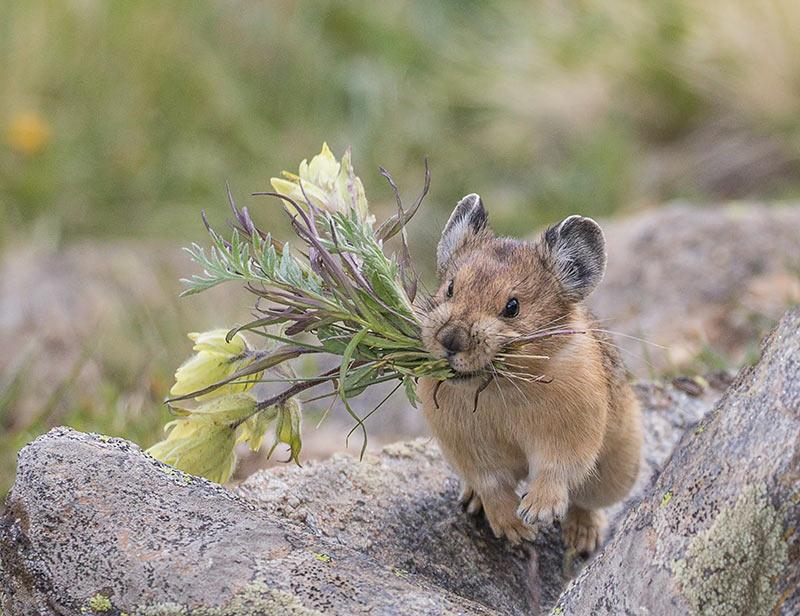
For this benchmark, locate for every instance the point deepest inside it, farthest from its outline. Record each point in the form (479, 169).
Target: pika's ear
(577, 250)
(467, 222)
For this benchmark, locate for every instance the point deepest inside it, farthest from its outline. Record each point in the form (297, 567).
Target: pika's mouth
(463, 377)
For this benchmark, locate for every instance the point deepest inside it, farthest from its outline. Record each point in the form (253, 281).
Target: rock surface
(706, 283)
(92, 519)
(718, 533)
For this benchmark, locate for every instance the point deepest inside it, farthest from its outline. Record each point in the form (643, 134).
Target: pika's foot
(583, 529)
(470, 500)
(543, 503)
(505, 523)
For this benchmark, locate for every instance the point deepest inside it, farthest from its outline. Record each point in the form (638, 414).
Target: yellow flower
(28, 133)
(202, 443)
(216, 359)
(328, 184)
(323, 168)
(215, 341)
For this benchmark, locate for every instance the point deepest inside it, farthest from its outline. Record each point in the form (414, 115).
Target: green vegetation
(130, 116)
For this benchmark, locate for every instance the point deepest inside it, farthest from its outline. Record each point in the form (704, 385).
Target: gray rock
(96, 518)
(706, 283)
(91, 518)
(717, 534)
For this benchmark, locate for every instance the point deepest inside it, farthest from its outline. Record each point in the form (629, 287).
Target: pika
(556, 411)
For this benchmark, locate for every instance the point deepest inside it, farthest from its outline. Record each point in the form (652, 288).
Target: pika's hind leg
(470, 499)
(583, 528)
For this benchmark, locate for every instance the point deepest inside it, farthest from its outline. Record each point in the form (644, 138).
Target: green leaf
(345, 365)
(358, 379)
(411, 390)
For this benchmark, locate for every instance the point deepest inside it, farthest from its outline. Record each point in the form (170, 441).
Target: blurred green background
(546, 108)
(122, 120)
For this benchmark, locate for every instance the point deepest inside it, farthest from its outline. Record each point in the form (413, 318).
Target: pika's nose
(453, 338)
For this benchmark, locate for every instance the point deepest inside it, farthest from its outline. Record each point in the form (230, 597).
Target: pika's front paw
(543, 503)
(470, 500)
(504, 523)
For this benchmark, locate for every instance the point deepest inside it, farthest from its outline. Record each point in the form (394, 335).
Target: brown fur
(575, 440)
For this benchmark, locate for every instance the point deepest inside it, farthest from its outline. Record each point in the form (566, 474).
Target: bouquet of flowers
(335, 291)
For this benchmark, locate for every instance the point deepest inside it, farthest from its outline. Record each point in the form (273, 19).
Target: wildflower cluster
(338, 294)
(202, 439)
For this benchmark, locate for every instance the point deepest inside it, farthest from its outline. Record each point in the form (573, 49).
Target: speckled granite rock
(718, 533)
(92, 519)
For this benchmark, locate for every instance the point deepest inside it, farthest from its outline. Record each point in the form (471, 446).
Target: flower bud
(328, 184)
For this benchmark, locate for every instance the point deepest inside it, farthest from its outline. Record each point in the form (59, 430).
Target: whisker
(517, 387)
(522, 356)
(528, 378)
(509, 367)
(535, 332)
(556, 320)
(539, 333)
(499, 387)
(515, 376)
(616, 333)
(629, 352)
(507, 363)
(547, 334)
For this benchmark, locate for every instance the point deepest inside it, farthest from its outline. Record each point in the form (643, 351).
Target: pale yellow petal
(215, 341)
(200, 371)
(322, 170)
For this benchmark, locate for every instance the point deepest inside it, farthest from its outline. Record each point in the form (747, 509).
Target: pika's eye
(512, 308)
(449, 291)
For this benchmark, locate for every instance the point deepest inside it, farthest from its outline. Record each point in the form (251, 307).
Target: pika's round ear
(468, 221)
(577, 250)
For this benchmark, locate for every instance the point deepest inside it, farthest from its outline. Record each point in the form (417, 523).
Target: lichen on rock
(99, 602)
(732, 566)
(256, 599)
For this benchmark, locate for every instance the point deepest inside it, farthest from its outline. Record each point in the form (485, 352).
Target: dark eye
(512, 308)
(449, 291)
